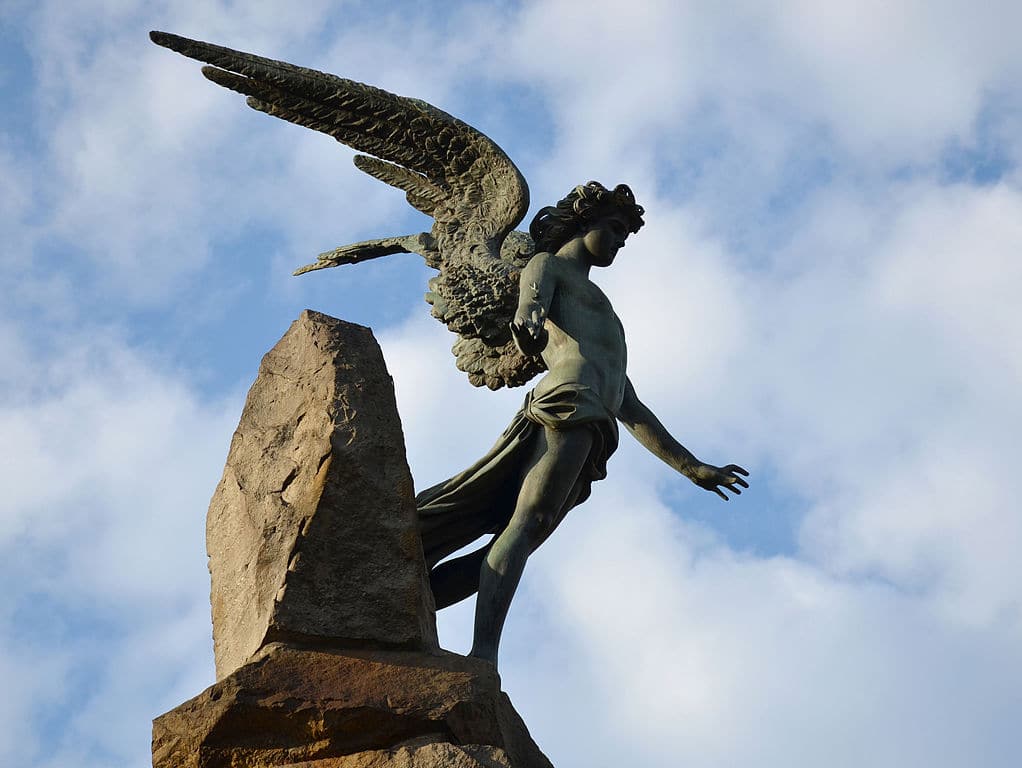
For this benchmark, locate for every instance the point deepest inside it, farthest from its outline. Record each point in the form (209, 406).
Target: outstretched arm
(648, 430)
(535, 292)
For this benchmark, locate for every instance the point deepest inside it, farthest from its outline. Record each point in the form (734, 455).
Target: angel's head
(583, 207)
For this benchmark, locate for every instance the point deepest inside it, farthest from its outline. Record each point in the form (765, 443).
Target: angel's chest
(585, 297)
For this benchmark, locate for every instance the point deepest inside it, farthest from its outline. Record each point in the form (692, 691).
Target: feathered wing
(447, 169)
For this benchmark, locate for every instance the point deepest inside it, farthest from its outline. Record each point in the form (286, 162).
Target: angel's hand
(529, 333)
(712, 478)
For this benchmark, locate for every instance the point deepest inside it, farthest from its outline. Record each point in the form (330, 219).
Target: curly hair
(555, 225)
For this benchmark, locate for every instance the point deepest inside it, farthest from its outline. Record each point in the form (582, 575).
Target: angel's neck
(575, 252)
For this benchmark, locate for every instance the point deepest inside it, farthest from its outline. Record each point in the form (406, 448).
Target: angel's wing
(447, 169)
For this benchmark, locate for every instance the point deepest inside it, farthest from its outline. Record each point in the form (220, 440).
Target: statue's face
(605, 237)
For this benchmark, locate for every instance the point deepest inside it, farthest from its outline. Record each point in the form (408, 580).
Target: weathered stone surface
(346, 709)
(311, 533)
(417, 754)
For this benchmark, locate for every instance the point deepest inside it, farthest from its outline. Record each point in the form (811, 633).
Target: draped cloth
(481, 500)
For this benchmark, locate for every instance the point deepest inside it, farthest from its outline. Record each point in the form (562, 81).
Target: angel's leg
(457, 579)
(548, 485)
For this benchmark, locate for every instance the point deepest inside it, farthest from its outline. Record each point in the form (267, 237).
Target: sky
(825, 292)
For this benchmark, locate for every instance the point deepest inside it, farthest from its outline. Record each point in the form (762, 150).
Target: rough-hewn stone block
(348, 709)
(312, 532)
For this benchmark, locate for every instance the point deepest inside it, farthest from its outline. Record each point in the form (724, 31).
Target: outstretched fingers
(731, 481)
(734, 470)
(727, 485)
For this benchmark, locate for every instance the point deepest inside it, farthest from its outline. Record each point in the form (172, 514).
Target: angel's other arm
(536, 288)
(654, 437)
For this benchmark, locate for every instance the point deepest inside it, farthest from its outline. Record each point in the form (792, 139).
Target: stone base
(417, 754)
(327, 708)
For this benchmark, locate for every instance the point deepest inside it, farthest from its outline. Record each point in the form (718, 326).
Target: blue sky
(825, 292)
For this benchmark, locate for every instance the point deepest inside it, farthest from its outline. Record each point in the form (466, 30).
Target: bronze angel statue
(520, 304)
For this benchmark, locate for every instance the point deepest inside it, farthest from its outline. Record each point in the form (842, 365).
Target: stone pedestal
(318, 708)
(323, 622)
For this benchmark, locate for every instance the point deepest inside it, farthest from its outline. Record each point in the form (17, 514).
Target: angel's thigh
(568, 503)
(550, 481)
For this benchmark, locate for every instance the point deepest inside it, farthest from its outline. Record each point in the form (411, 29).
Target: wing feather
(447, 170)
(420, 191)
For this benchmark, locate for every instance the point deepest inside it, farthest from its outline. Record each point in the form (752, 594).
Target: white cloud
(925, 498)
(890, 82)
(148, 163)
(688, 653)
(109, 468)
(34, 680)
(876, 368)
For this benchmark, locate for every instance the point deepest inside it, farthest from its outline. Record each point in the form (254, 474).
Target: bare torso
(586, 340)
